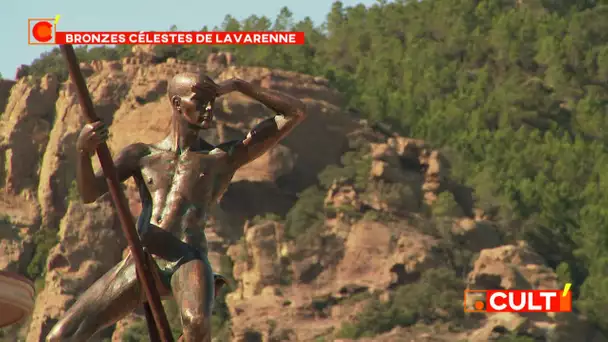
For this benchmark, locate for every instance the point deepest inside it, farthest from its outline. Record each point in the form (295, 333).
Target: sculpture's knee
(197, 326)
(66, 331)
(57, 333)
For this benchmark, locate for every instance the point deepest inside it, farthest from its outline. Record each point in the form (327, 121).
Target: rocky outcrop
(519, 267)
(312, 285)
(402, 160)
(378, 256)
(425, 170)
(279, 279)
(16, 247)
(90, 243)
(219, 60)
(25, 127)
(258, 259)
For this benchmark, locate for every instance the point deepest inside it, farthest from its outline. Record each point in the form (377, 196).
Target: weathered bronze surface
(178, 179)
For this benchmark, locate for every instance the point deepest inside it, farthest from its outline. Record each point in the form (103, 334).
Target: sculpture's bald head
(192, 96)
(184, 84)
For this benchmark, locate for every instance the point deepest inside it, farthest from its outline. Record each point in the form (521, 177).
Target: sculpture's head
(192, 97)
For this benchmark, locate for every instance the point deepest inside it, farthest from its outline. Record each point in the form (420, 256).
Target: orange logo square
(475, 300)
(41, 31)
(565, 303)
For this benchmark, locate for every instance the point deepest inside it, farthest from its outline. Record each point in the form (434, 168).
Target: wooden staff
(128, 225)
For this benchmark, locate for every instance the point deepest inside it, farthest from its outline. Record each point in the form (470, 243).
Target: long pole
(128, 225)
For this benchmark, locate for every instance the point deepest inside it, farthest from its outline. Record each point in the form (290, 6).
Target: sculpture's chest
(187, 171)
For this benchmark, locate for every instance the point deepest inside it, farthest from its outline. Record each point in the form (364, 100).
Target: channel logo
(518, 300)
(41, 31)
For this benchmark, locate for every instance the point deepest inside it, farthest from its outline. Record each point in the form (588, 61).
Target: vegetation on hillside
(436, 297)
(517, 90)
(54, 62)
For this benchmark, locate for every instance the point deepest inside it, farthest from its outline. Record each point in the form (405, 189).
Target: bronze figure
(178, 179)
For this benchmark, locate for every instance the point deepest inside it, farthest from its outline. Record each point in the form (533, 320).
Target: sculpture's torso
(182, 187)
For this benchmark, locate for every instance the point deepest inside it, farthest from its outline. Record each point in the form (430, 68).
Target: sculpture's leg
(220, 281)
(193, 288)
(110, 298)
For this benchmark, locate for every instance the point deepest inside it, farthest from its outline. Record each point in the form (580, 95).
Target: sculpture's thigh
(193, 290)
(109, 299)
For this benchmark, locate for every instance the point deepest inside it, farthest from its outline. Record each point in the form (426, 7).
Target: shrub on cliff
(44, 240)
(436, 297)
(309, 211)
(52, 62)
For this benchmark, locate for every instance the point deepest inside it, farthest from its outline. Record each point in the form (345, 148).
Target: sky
(134, 15)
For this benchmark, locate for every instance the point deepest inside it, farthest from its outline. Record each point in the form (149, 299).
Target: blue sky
(133, 15)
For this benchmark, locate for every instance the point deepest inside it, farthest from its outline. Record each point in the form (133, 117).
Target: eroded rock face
(25, 128)
(143, 53)
(377, 256)
(346, 260)
(280, 279)
(90, 243)
(411, 161)
(511, 267)
(342, 195)
(16, 247)
(258, 259)
(218, 60)
(279, 161)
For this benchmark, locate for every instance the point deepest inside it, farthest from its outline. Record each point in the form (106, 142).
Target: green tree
(284, 20)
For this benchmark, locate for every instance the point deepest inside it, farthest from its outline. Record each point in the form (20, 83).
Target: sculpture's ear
(176, 103)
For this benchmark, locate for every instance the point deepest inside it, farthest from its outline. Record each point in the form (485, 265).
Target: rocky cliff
(366, 242)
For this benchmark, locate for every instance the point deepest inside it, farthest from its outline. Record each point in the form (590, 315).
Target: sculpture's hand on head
(289, 110)
(205, 88)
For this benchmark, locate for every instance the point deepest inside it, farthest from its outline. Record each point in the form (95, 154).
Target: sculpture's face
(196, 109)
(192, 96)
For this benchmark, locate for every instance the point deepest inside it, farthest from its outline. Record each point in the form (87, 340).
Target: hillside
(481, 163)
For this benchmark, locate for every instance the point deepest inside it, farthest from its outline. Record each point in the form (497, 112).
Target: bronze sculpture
(178, 179)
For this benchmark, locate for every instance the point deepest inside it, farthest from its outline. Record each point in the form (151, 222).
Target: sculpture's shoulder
(140, 148)
(134, 152)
